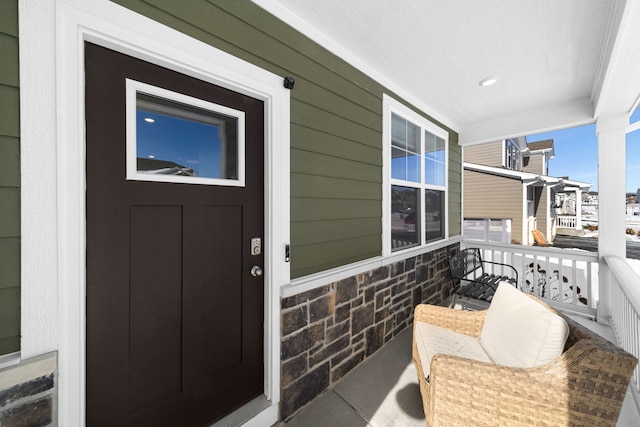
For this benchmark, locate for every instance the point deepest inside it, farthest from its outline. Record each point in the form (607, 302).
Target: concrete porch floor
(383, 392)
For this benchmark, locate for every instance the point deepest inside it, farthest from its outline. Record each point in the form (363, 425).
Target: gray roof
(541, 145)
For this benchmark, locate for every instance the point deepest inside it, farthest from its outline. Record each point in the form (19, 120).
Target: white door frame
(61, 27)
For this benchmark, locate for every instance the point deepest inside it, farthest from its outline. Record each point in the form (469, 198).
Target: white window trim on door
(52, 36)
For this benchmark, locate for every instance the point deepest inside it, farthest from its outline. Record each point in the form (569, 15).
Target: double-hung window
(416, 168)
(512, 156)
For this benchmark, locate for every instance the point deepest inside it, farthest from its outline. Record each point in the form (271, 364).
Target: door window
(172, 137)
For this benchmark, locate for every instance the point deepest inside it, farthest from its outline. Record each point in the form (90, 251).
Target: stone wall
(328, 331)
(28, 393)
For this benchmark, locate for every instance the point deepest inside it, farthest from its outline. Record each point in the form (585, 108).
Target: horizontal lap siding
(490, 196)
(455, 186)
(489, 154)
(534, 164)
(9, 180)
(336, 127)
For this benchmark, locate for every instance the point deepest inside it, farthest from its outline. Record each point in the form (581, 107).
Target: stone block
(322, 308)
(346, 290)
(342, 313)
(344, 368)
(293, 369)
(380, 273)
(369, 293)
(295, 345)
(421, 274)
(397, 268)
(30, 388)
(374, 339)
(361, 318)
(338, 330)
(310, 295)
(337, 358)
(409, 264)
(36, 413)
(294, 320)
(327, 352)
(304, 390)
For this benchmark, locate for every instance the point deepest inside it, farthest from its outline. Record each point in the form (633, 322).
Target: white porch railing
(625, 312)
(565, 278)
(566, 221)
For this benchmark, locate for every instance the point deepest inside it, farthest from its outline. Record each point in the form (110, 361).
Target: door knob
(256, 271)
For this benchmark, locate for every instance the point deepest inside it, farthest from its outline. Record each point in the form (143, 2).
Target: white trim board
(53, 153)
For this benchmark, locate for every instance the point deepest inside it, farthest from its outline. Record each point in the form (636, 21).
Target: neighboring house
(508, 180)
(308, 201)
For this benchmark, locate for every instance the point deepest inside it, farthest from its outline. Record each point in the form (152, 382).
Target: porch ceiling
(559, 63)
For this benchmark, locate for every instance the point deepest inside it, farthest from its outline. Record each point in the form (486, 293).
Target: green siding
(336, 128)
(9, 179)
(455, 187)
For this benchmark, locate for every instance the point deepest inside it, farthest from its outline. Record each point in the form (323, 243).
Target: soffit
(550, 55)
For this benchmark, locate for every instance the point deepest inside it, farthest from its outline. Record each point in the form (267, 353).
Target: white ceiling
(552, 56)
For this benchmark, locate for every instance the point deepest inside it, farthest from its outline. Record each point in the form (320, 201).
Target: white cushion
(519, 332)
(431, 340)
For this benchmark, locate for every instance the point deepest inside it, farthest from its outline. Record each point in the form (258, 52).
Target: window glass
(512, 156)
(405, 141)
(434, 159)
(177, 139)
(404, 219)
(434, 215)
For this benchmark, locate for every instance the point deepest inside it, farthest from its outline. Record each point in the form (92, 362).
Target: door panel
(155, 336)
(174, 318)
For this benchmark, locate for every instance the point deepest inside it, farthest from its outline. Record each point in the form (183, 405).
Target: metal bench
(472, 284)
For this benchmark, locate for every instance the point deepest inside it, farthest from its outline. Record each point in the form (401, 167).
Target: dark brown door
(174, 315)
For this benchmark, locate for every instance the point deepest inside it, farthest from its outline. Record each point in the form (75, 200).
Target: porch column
(611, 131)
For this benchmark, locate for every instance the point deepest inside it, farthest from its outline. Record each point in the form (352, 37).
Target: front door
(174, 245)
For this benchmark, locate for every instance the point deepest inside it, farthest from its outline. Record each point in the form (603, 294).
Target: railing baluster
(521, 257)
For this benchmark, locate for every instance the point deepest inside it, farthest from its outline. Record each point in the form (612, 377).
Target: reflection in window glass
(405, 142)
(434, 212)
(177, 139)
(434, 159)
(404, 223)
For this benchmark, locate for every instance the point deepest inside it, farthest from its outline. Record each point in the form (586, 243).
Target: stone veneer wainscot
(329, 330)
(28, 393)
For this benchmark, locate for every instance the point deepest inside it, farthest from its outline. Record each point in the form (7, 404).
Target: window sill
(7, 360)
(313, 281)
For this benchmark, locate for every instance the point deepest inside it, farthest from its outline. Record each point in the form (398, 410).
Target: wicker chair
(585, 386)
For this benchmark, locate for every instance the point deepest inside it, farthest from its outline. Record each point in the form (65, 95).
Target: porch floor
(383, 392)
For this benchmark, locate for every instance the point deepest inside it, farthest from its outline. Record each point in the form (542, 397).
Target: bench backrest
(465, 262)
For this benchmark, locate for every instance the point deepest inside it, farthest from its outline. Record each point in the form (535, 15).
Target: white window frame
(391, 106)
(507, 158)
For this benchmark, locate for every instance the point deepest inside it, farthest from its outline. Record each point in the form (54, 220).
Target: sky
(166, 139)
(576, 152)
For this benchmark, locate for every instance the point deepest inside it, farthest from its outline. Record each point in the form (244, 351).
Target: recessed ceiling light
(489, 81)
(149, 120)
(151, 156)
